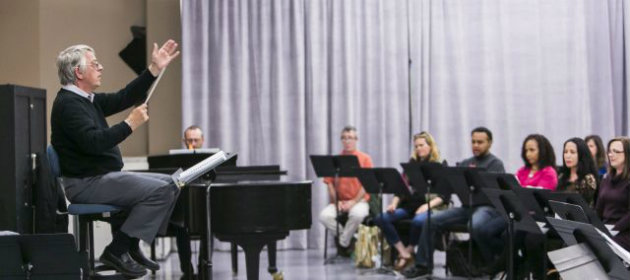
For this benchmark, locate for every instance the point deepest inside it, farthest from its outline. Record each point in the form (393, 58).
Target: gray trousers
(149, 199)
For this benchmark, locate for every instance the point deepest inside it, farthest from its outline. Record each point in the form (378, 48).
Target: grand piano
(249, 206)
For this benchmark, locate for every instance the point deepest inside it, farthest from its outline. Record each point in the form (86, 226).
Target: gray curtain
(276, 80)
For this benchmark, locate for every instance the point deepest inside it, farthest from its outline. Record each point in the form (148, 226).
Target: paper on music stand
(152, 89)
(181, 178)
(193, 151)
(610, 229)
(619, 251)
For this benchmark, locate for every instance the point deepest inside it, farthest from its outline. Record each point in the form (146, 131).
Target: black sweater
(86, 145)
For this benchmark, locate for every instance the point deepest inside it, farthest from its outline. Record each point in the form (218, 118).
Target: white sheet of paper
(610, 229)
(619, 251)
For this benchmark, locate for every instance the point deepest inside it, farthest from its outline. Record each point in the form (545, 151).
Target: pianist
(91, 162)
(193, 139)
(352, 197)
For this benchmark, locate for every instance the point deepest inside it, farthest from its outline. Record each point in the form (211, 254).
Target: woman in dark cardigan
(613, 201)
(425, 150)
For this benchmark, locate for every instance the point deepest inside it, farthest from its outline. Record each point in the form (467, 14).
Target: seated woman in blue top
(596, 146)
(425, 150)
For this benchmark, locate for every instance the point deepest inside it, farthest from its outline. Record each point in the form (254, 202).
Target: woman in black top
(425, 150)
(578, 172)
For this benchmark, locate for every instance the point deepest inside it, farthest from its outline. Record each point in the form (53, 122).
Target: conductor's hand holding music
(137, 117)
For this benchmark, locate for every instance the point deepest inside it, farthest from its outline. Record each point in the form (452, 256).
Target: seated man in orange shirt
(352, 197)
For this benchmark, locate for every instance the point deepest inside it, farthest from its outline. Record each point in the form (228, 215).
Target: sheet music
(194, 151)
(542, 226)
(610, 229)
(196, 171)
(619, 251)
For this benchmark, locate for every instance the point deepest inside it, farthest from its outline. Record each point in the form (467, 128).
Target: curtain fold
(276, 80)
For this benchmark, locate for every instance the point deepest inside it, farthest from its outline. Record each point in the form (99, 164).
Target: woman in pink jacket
(540, 164)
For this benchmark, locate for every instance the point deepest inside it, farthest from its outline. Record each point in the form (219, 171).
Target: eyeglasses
(97, 65)
(345, 139)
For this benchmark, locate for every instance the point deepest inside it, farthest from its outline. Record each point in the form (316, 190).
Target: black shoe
(345, 251)
(416, 271)
(123, 264)
(188, 277)
(138, 256)
(495, 267)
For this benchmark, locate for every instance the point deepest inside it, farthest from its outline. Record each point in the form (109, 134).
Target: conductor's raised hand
(137, 117)
(160, 58)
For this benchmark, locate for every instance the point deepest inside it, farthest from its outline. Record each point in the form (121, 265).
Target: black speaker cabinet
(22, 139)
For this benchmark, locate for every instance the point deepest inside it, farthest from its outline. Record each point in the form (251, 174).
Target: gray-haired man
(91, 162)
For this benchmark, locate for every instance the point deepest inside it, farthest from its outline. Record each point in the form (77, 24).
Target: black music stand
(380, 181)
(574, 232)
(534, 200)
(577, 262)
(335, 166)
(423, 177)
(577, 199)
(568, 211)
(516, 215)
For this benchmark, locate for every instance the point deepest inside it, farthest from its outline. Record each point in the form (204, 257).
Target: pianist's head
(349, 138)
(193, 137)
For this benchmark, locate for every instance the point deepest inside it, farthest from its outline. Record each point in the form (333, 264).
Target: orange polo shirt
(349, 187)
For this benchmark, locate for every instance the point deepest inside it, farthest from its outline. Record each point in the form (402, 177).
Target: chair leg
(81, 229)
(325, 243)
(90, 234)
(153, 257)
(234, 253)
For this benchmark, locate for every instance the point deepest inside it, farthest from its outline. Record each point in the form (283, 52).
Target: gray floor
(294, 264)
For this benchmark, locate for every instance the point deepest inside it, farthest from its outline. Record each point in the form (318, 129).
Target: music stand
(518, 218)
(335, 166)
(568, 211)
(466, 183)
(423, 177)
(380, 181)
(535, 200)
(577, 199)
(577, 262)
(574, 232)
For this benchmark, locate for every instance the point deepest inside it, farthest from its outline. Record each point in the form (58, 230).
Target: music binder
(181, 177)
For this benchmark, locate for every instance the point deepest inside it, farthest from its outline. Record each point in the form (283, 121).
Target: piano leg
(252, 258)
(234, 253)
(271, 254)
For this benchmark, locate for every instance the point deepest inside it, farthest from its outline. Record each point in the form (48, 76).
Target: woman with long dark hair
(596, 147)
(578, 172)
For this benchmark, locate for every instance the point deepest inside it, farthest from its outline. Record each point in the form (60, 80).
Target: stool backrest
(53, 161)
